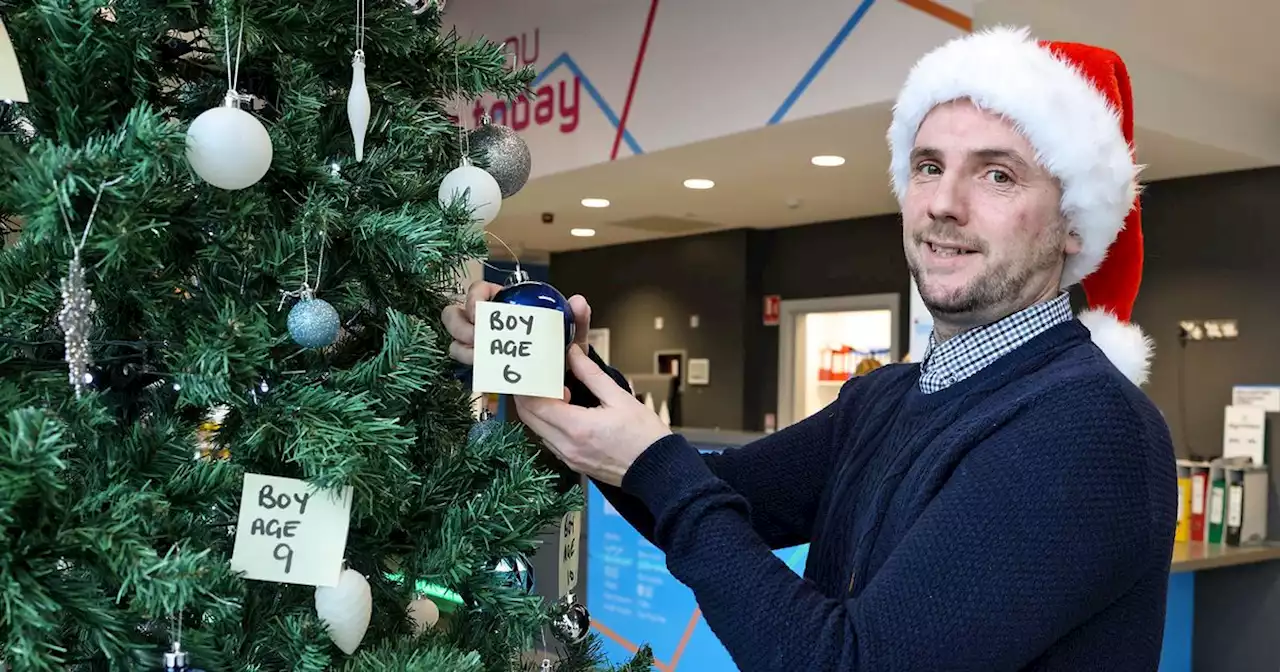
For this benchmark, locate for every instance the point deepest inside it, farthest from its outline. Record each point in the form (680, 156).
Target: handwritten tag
(519, 350)
(11, 86)
(570, 544)
(291, 532)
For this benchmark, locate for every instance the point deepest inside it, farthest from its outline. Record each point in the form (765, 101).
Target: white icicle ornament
(358, 105)
(346, 609)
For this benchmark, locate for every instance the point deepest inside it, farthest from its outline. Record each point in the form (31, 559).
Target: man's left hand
(601, 442)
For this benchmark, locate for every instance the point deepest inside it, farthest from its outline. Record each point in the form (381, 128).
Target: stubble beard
(993, 291)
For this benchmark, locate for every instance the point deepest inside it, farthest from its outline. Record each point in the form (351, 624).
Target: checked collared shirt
(967, 353)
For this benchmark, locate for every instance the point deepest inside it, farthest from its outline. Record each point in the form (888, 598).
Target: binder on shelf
(1199, 472)
(1183, 530)
(1217, 515)
(1216, 508)
(1246, 504)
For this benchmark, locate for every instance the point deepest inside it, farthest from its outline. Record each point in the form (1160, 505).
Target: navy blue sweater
(1022, 518)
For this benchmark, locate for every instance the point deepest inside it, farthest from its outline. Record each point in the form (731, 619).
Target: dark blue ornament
(521, 291)
(313, 323)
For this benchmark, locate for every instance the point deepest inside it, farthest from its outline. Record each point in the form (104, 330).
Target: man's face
(982, 228)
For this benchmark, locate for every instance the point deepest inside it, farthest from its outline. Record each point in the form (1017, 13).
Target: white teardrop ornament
(358, 105)
(346, 609)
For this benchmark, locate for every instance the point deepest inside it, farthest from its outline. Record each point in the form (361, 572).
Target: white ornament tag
(570, 545)
(519, 350)
(346, 609)
(11, 85)
(289, 532)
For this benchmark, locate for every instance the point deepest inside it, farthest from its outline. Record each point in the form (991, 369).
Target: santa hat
(1074, 105)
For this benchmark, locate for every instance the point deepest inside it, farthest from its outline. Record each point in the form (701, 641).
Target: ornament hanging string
(84, 237)
(306, 292)
(360, 28)
(512, 252)
(464, 141)
(233, 70)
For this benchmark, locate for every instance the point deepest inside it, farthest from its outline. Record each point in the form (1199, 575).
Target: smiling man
(1006, 504)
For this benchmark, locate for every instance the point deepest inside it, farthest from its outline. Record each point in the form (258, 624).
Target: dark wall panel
(630, 285)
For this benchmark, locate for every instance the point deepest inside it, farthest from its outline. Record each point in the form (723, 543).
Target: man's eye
(1000, 177)
(929, 169)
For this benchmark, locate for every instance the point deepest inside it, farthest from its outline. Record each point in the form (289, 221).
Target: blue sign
(634, 600)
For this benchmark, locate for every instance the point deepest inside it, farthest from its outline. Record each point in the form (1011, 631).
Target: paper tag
(570, 543)
(11, 86)
(291, 532)
(1244, 433)
(519, 350)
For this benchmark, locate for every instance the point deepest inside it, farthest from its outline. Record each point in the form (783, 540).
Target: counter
(1222, 608)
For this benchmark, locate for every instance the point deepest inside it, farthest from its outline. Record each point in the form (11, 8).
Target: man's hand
(600, 442)
(460, 320)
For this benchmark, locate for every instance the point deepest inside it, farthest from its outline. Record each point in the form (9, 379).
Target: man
(1008, 503)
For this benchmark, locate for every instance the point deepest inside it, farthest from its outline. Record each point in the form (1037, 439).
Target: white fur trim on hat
(1076, 133)
(1125, 344)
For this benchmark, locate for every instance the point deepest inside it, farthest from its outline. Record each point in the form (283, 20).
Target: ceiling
(764, 178)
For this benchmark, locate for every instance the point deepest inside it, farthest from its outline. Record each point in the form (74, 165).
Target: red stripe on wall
(635, 77)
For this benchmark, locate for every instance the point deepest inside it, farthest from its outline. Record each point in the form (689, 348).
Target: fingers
(596, 380)
(479, 291)
(581, 318)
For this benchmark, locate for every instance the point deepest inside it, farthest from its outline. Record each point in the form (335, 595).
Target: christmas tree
(199, 290)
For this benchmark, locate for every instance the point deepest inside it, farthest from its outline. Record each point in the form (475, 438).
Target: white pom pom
(346, 609)
(425, 614)
(1125, 344)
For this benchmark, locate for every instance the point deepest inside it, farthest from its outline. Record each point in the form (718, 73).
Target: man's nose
(950, 202)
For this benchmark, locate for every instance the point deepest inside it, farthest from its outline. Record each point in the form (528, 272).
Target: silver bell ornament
(228, 147)
(572, 623)
(515, 571)
(176, 660)
(505, 153)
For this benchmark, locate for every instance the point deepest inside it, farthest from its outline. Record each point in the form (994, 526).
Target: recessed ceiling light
(595, 202)
(827, 161)
(698, 183)
(582, 233)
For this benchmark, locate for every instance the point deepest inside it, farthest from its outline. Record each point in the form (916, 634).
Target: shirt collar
(967, 353)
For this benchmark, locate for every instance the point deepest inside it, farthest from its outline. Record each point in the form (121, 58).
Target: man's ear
(1072, 244)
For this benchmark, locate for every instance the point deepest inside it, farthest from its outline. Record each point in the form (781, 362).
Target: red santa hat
(1074, 105)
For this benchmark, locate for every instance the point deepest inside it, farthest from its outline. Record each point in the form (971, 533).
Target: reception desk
(1223, 604)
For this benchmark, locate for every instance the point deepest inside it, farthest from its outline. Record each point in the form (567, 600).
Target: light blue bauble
(313, 323)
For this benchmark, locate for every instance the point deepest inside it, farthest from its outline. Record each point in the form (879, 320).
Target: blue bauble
(313, 323)
(539, 295)
(482, 429)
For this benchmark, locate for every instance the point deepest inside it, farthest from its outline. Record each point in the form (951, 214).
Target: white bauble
(481, 192)
(425, 614)
(228, 148)
(346, 609)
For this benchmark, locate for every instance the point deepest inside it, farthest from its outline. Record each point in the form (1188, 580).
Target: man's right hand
(460, 320)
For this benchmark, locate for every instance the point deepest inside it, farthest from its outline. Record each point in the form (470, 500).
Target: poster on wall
(599, 339)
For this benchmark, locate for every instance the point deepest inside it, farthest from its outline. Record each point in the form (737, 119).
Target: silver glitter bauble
(515, 572)
(505, 154)
(482, 429)
(572, 624)
(75, 319)
(313, 323)
(420, 6)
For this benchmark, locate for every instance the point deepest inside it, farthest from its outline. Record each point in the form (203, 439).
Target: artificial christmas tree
(165, 358)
